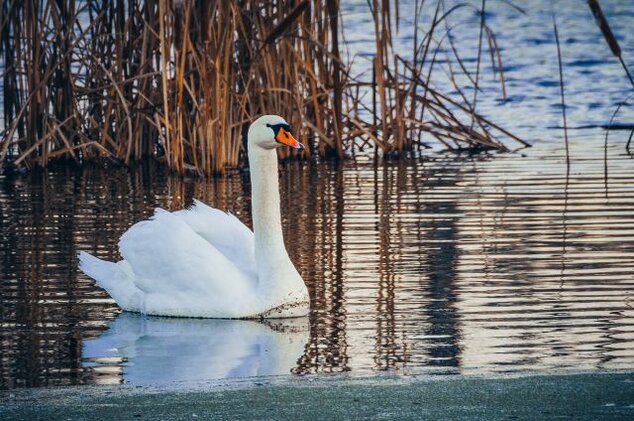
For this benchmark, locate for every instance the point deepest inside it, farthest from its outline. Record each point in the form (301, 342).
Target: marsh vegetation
(179, 81)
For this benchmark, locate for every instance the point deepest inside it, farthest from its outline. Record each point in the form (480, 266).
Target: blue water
(594, 80)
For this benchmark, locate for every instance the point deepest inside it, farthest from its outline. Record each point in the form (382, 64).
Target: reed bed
(179, 81)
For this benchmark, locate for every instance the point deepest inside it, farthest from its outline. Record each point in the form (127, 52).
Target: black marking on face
(276, 128)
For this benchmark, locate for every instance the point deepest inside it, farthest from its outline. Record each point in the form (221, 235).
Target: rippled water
(440, 264)
(437, 264)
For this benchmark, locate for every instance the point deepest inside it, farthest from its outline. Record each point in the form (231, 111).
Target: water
(595, 81)
(441, 264)
(471, 264)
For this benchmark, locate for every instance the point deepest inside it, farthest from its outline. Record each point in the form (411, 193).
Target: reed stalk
(405, 106)
(179, 81)
(603, 24)
(562, 89)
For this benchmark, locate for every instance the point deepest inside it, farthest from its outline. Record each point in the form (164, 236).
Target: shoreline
(590, 395)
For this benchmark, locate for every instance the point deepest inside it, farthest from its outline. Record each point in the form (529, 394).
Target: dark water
(441, 264)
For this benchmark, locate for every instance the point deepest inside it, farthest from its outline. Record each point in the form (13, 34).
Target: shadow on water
(443, 331)
(450, 264)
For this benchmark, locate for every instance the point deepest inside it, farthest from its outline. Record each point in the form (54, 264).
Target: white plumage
(202, 262)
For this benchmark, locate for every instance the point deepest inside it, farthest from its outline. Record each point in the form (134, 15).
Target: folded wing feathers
(225, 232)
(174, 256)
(165, 245)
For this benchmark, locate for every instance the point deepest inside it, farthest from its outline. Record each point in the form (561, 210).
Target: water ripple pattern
(443, 264)
(437, 264)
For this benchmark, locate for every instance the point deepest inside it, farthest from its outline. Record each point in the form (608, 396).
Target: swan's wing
(225, 232)
(181, 273)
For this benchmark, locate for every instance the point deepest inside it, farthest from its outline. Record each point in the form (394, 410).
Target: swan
(203, 262)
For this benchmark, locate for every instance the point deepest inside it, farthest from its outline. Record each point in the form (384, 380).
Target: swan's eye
(280, 130)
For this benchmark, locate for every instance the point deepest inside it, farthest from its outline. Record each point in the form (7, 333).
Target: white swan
(202, 262)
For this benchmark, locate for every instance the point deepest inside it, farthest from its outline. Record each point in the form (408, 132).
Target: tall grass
(180, 80)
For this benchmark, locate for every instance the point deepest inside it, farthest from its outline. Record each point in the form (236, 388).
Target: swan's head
(272, 131)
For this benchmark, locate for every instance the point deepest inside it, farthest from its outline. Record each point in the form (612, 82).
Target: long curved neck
(265, 202)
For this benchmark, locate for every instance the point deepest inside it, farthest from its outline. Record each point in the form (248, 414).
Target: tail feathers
(110, 277)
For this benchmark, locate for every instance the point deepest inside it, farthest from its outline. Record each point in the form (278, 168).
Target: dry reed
(615, 48)
(602, 22)
(180, 80)
(562, 89)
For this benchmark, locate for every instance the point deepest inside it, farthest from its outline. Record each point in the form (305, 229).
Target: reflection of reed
(561, 266)
(387, 202)
(564, 228)
(41, 309)
(443, 330)
(385, 347)
(419, 266)
(315, 214)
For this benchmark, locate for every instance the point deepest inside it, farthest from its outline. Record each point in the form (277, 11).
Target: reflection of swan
(161, 350)
(203, 262)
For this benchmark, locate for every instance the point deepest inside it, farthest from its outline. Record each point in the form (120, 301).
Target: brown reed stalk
(603, 24)
(562, 89)
(408, 106)
(179, 81)
(477, 75)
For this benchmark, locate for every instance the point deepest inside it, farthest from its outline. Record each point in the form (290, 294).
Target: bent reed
(180, 80)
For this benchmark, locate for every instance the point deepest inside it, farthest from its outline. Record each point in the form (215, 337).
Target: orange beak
(286, 138)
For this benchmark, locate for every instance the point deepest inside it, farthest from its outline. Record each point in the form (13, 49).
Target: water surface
(436, 264)
(440, 264)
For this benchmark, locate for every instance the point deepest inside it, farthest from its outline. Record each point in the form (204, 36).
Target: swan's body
(202, 262)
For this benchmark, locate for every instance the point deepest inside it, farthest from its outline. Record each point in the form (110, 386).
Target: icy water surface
(443, 264)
